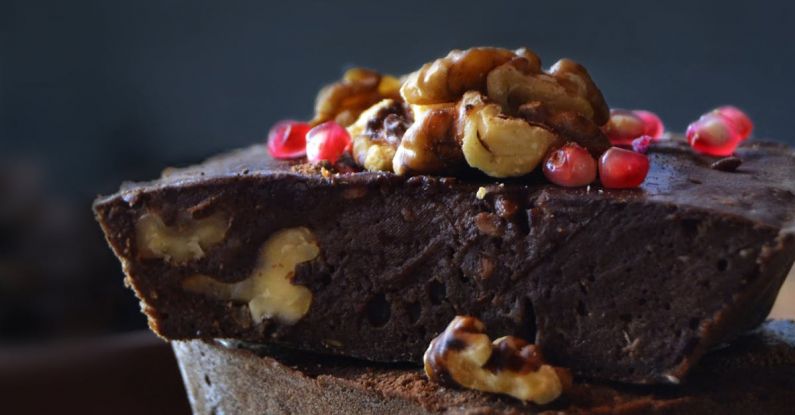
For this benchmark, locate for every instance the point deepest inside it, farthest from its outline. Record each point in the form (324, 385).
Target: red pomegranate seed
(287, 139)
(623, 127)
(327, 142)
(654, 127)
(627, 125)
(714, 135)
(622, 169)
(641, 144)
(742, 122)
(570, 166)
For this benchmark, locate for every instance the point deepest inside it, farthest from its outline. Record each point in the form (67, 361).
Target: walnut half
(431, 144)
(566, 87)
(498, 145)
(358, 89)
(463, 355)
(509, 78)
(447, 78)
(376, 135)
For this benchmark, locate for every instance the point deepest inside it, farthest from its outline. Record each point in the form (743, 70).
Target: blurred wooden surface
(785, 305)
(133, 373)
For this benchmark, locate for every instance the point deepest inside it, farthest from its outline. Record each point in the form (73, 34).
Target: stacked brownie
(755, 375)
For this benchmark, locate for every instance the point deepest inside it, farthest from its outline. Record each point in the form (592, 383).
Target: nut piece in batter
(187, 239)
(269, 291)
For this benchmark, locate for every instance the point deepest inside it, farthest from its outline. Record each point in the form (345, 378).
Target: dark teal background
(120, 88)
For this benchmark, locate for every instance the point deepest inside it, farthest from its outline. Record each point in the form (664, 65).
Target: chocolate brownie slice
(755, 375)
(631, 285)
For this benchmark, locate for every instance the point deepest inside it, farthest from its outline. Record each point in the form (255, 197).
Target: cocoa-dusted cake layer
(754, 375)
(629, 285)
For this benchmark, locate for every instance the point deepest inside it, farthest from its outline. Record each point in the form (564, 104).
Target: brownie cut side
(754, 375)
(630, 285)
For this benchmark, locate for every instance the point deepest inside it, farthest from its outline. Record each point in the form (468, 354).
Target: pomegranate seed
(713, 134)
(287, 139)
(622, 169)
(327, 142)
(742, 122)
(570, 166)
(623, 127)
(654, 127)
(641, 144)
(627, 125)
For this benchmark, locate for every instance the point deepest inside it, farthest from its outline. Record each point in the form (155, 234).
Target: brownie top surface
(761, 189)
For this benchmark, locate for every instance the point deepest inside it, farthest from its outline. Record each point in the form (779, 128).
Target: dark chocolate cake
(630, 285)
(484, 216)
(754, 375)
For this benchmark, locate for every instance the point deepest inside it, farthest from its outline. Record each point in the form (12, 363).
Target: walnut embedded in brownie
(632, 285)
